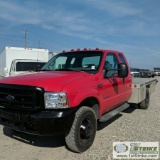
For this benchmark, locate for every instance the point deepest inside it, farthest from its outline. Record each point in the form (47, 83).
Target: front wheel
(83, 130)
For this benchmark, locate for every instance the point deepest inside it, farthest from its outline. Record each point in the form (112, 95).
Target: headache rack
(22, 98)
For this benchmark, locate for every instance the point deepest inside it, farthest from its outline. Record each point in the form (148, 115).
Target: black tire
(83, 130)
(145, 103)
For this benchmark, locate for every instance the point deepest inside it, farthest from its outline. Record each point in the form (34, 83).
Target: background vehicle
(146, 73)
(153, 74)
(157, 73)
(135, 72)
(20, 66)
(70, 94)
(10, 57)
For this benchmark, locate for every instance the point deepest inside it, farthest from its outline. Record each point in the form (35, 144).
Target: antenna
(25, 37)
(39, 45)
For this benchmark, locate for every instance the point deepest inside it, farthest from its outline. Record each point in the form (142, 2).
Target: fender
(75, 98)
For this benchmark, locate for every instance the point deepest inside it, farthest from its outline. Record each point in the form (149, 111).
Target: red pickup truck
(71, 92)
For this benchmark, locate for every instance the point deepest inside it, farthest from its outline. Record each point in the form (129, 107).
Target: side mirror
(122, 70)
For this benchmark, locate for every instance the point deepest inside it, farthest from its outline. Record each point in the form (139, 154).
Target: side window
(121, 58)
(111, 64)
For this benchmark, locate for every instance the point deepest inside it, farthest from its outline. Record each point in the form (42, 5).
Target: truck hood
(48, 80)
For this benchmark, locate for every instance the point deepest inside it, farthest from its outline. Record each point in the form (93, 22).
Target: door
(112, 84)
(127, 86)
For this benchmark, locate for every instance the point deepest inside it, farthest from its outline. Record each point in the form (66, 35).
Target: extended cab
(70, 93)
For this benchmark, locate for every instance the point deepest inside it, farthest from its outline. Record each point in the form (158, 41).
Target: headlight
(55, 100)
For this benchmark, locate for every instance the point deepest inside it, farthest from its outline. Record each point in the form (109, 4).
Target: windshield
(88, 61)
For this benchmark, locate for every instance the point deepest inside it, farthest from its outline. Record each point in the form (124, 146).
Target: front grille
(21, 97)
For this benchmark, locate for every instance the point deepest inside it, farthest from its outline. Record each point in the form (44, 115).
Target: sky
(129, 26)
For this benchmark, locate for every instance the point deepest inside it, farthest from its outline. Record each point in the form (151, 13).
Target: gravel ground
(130, 125)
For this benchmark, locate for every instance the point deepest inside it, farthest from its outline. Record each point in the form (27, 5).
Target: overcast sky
(130, 26)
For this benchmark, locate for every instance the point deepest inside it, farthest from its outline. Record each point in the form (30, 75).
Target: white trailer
(10, 57)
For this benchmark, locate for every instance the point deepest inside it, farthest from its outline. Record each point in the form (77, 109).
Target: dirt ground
(130, 125)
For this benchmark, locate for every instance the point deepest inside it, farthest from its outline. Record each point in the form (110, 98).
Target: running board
(114, 112)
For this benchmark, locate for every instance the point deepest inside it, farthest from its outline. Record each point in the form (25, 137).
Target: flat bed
(140, 87)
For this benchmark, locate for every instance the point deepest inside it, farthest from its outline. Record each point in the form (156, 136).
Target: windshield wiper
(67, 69)
(45, 70)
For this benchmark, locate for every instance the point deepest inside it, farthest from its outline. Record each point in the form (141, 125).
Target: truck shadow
(130, 109)
(40, 141)
(102, 125)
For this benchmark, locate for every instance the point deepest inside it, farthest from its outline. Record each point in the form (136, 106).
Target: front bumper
(49, 122)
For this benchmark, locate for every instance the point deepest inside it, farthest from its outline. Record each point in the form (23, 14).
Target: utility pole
(25, 37)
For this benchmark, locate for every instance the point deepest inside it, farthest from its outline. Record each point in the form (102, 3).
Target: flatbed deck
(139, 87)
(142, 81)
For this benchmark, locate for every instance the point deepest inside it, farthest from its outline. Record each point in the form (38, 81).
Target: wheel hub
(85, 129)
